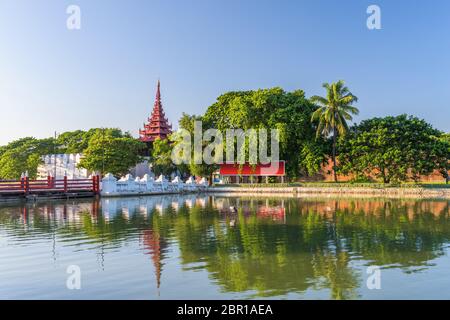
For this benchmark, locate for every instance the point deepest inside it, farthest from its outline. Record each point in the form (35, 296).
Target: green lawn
(428, 185)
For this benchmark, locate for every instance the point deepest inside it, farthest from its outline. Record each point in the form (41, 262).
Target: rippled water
(196, 247)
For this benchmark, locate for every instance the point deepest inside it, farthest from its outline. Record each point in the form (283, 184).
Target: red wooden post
(49, 181)
(65, 183)
(94, 183)
(27, 184)
(98, 184)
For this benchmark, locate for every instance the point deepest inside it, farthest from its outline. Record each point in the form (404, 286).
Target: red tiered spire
(155, 246)
(158, 126)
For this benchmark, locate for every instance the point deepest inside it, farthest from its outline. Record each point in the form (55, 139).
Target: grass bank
(416, 190)
(365, 185)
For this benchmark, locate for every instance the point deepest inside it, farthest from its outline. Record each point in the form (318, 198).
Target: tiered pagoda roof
(157, 126)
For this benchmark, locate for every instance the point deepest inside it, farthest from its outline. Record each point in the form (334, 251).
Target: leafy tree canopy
(110, 150)
(187, 122)
(446, 137)
(23, 155)
(161, 157)
(289, 112)
(394, 149)
(77, 141)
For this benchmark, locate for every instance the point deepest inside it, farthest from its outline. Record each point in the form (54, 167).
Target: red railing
(26, 185)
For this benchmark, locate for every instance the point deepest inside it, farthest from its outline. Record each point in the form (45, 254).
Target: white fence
(147, 185)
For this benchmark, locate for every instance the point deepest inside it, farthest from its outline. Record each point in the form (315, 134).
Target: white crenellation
(147, 185)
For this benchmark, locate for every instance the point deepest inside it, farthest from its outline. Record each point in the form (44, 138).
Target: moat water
(199, 247)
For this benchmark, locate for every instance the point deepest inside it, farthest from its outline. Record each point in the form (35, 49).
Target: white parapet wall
(60, 165)
(128, 185)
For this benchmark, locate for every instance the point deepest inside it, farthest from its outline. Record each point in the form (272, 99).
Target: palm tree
(333, 113)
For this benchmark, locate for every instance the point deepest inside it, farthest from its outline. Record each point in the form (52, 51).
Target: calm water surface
(195, 247)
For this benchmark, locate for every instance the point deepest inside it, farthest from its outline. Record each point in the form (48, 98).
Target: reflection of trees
(334, 272)
(261, 249)
(403, 233)
(314, 245)
(257, 254)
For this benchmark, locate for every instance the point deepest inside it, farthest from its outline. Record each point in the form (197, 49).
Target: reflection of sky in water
(183, 247)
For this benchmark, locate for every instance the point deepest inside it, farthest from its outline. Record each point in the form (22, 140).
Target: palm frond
(319, 100)
(335, 109)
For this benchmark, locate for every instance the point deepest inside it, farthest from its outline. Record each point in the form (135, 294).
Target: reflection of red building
(157, 126)
(154, 245)
(275, 213)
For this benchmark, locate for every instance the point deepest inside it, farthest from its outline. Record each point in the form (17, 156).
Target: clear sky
(104, 75)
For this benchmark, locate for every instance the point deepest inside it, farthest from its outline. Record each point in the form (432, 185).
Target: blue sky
(104, 75)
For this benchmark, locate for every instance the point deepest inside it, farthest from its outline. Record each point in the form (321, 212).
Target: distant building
(157, 125)
(59, 165)
(246, 173)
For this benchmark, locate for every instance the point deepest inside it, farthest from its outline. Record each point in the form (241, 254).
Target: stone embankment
(416, 192)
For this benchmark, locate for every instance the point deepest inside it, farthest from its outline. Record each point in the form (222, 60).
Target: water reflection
(251, 247)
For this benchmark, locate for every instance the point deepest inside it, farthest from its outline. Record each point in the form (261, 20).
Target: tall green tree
(274, 108)
(161, 157)
(24, 155)
(187, 122)
(77, 141)
(333, 113)
(111, 151)
(394, 149)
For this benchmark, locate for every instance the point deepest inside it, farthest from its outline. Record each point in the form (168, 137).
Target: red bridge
(51, 187)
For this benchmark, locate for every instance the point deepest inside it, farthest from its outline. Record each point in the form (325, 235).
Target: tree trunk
(334, 154)
(386, 179)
